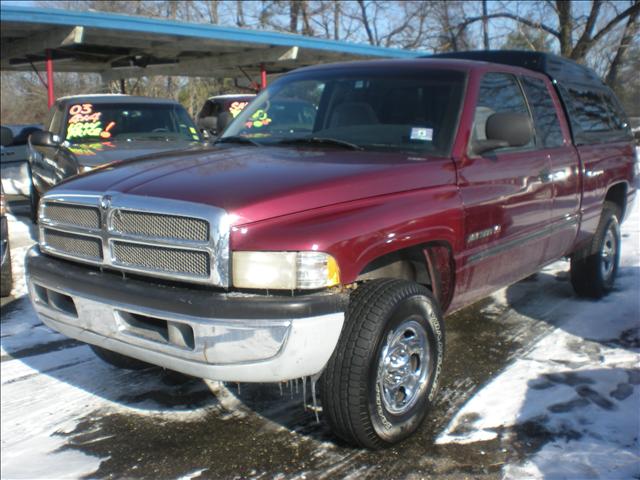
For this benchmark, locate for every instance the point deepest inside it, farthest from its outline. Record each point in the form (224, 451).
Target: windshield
(87, 122)
(413, 111)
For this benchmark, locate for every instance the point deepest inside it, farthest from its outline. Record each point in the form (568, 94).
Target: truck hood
(99, 153)
(256, 183)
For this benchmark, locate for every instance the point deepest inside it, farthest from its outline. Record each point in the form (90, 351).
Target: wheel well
(618, 195)
(428, 264)
(406, 264)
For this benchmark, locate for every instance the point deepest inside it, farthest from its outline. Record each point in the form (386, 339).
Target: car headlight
(284, 270)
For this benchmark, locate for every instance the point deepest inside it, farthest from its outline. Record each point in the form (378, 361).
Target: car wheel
(34, 200)
(6, 280)
(118, 360)
(383, 375)
(594, 269)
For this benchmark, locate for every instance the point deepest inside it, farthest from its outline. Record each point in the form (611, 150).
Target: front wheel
(383, 376)
(593, 270)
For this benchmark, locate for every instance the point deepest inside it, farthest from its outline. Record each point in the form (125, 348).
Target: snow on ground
(43, 396)
(578, 387)
(566, 407)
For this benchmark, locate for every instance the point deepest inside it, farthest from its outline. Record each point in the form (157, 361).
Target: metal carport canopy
(121, 46)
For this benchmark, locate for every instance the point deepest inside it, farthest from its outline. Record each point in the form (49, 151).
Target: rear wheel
(118, 360)
(594, 269)
(383, 375)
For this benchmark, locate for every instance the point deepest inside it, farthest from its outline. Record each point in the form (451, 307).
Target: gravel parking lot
(537, 384)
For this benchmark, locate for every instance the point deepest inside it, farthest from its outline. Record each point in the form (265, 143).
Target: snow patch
(576, 390)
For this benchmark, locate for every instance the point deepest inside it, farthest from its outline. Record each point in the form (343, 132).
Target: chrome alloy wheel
(608, 252)
(403, 370)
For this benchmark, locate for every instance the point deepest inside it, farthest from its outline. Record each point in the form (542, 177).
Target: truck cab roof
(113, 98)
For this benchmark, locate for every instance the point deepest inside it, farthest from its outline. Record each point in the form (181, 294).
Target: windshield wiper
(237, 139)
(320, 141)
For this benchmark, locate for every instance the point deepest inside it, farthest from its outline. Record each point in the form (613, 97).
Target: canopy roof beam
(36, 43)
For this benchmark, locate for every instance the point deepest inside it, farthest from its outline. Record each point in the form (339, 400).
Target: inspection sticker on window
(422, 134)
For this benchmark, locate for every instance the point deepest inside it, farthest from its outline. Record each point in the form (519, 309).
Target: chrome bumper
(228, 349)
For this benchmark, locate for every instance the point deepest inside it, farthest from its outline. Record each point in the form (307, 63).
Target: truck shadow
(549, 299)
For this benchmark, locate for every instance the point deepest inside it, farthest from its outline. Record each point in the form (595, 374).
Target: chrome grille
(189, 262)
(146, 235)
(160, 226)
(74, 245)
(75, 215)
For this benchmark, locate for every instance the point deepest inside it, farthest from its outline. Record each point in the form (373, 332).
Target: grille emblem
(105, 202)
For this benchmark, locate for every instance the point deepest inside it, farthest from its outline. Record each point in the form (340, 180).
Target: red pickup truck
(339, 217)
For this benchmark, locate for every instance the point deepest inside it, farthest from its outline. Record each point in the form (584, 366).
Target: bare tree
(630, 31)
(567, 25)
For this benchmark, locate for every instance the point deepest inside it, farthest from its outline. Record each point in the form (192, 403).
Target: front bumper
(225, 336)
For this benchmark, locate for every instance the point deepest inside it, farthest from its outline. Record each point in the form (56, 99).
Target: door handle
(545, 176)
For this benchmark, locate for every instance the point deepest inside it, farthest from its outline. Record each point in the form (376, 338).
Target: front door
(506, 197)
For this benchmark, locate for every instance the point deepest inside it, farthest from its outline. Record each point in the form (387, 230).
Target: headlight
(284, 270)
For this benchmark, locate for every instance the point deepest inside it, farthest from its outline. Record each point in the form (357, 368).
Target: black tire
(118, 360)
(594, 268)
(34, 200)
(355, 399)
(6, 279)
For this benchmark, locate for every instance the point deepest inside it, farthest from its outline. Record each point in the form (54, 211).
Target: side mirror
(44, 139)
(7, 137)
(505, 129)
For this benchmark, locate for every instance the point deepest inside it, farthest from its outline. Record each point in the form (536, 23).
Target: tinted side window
(499, 92)
(618, 117)
(548, 131)
(589, 110)
(595, 115)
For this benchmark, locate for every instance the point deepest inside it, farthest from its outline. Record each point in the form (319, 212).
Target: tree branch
(517, 18)
(591, 22)
(365, 22)
(632, 10)
(630, 30)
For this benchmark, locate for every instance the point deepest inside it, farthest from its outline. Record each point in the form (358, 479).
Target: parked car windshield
(414, 111)
(87, 122)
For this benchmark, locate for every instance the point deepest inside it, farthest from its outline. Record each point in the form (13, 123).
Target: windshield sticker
(258, 119)
(193, 131)
(422, 134)
(84, 122)
(105, 133)
(89, 149)
(84, 129)
(236, 108)
(83, 113)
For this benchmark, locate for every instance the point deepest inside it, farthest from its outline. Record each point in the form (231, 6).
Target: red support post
(263, 77)
(50, 96)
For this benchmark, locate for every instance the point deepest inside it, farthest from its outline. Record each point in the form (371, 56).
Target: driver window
(499, 92)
